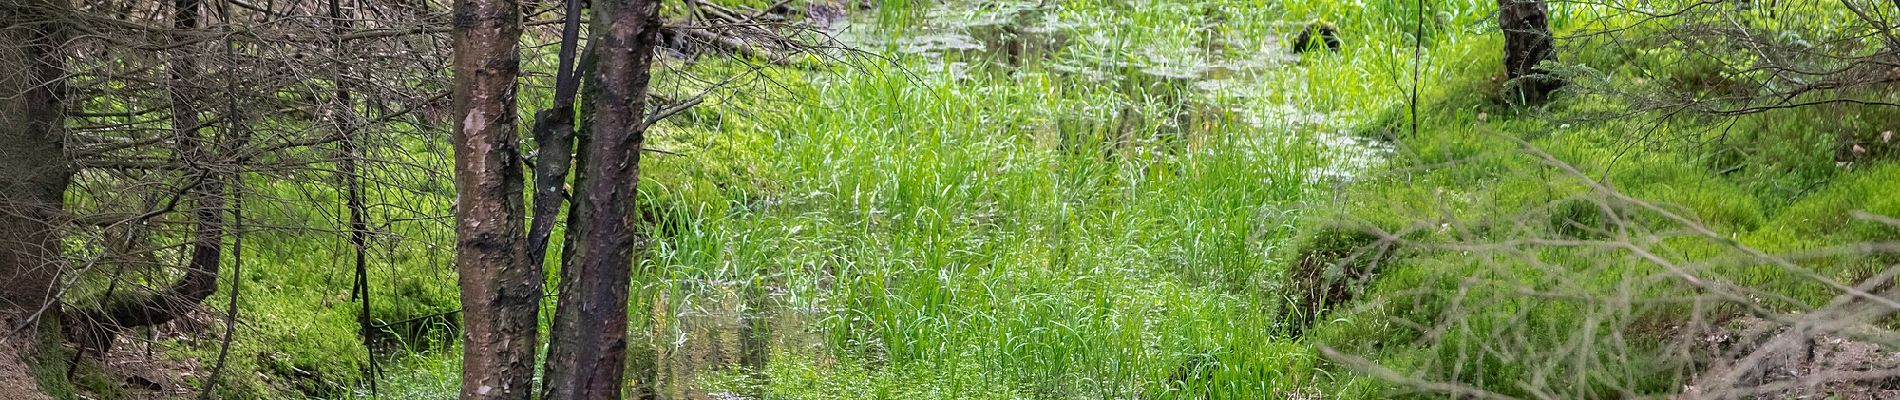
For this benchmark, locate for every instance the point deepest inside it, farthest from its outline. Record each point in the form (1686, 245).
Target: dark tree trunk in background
(204, 184)
(592, 363)
(501, 288)
(347, 170)
(1527, 42)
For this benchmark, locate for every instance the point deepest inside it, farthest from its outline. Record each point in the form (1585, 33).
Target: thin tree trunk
(1527, 42)
(233, 127)
(593, 364)
(501, 289)
(346, 126)
(557, 367)
(237, 282)
(554, 133)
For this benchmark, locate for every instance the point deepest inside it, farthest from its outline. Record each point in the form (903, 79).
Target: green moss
(53, 359)
(1330, 267)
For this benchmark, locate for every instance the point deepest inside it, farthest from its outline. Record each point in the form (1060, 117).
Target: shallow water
(1216, 73)
(722, 327)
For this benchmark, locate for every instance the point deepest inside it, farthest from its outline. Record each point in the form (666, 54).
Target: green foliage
(52, 361)
(1095, 222)
(1462, 314)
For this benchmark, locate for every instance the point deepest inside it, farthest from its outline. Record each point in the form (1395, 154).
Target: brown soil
(1820, 367)
(144, 373)
(142, 370)
(16, 382)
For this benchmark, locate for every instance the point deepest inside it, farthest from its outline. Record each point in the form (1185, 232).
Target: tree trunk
(96, 329)
(349, 152)
(501, 288)
(554, 136)
(592, 365)
(34, 172)
(1527, 42)
(34, 168)
(566, 319)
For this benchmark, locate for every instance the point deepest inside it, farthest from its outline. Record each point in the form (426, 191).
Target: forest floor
(15, 379)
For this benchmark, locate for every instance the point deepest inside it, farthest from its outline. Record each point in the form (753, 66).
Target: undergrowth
(1099, 223)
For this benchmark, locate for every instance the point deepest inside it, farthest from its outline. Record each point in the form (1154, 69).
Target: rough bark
(34, 167)
(561, 344)
(592, 365)
(554, 134)
(501, 288)
(35, 170)
(1527, 42)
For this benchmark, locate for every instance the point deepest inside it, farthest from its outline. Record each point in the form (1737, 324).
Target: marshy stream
(828, 280)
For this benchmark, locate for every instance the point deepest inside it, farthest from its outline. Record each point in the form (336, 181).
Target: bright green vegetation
(1568, 319)
(1122, 211)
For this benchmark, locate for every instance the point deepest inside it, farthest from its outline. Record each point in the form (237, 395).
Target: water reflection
(710, 327)
(1172, 87)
